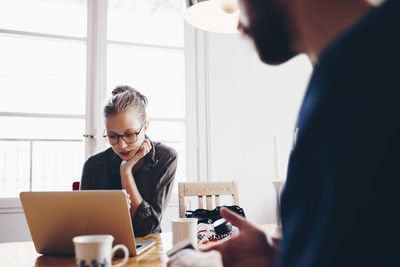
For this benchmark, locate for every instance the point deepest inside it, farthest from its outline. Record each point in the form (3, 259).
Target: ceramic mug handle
(126, 254)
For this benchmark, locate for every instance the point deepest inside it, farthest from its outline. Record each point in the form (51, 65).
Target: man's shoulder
(364, 55)
(372, 37)
(374, 30)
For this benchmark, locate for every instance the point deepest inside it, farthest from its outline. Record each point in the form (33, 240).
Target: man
(340, 200)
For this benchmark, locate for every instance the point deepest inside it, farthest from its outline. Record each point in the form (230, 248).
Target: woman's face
(126, 123)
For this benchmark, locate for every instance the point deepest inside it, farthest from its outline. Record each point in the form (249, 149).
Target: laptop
(54, 218)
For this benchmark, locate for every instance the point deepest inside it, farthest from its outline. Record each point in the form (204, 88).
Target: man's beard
(270, 34)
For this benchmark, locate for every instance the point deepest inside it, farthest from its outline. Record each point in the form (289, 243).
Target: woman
(145, 169)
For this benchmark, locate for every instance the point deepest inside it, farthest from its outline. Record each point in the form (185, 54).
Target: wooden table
(23, 254)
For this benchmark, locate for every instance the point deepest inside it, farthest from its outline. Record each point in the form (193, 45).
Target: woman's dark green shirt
(154, 181)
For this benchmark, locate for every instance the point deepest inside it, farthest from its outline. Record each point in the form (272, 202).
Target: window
(42, 83)
(145, 47)
(43, 68)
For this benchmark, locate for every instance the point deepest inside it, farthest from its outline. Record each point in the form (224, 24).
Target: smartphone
(185, 244)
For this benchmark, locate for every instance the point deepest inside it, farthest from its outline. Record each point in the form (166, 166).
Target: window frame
(13, 204)
(196, 80)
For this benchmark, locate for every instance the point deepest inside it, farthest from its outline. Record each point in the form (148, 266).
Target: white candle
(276, 157)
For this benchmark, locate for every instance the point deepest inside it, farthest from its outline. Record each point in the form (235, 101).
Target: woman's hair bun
(130, 92)
(125, 97)
(123, 89)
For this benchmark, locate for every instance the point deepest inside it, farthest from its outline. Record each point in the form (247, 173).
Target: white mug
(184, 229)
(97, 250)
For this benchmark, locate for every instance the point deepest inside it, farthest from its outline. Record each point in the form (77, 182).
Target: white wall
(13, 226)
(248, 101)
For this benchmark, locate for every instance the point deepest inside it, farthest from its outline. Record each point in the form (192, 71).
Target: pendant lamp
(221, 16)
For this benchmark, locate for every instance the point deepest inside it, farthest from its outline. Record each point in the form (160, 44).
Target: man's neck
(318, 22)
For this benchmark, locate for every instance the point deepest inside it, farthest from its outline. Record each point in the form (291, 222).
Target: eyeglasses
(129, 137)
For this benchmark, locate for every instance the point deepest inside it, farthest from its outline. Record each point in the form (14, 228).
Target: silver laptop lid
(54, 218)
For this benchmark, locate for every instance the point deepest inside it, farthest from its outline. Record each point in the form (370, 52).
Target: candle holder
(277, 231)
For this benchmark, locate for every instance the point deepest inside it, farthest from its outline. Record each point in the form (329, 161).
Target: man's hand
(127, 165)
(193, 258)
(249, 248)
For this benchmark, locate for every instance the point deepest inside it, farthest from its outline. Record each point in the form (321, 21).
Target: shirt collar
(150, 159)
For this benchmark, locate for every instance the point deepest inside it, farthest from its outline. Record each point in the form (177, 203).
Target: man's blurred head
(266, 23)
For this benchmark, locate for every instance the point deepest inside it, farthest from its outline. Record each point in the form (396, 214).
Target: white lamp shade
(208, 15)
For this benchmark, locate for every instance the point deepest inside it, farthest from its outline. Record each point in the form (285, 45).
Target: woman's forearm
(128, 183)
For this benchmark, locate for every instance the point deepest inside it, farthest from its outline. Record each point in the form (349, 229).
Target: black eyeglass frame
(123, 137)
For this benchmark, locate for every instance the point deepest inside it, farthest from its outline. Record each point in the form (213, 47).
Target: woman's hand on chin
(127, 165)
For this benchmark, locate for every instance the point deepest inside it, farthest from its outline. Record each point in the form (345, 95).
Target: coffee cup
(97, 250)
(184, 229)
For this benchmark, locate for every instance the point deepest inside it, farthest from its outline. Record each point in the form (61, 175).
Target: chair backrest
(75, 186)
(207, 189)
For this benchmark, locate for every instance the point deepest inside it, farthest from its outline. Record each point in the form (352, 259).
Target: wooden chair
(207, 189)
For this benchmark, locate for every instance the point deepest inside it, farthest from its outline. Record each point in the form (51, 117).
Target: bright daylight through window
(43, 47)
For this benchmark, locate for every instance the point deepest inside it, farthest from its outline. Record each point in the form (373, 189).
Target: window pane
(42, 76)
(55, 165)
(41, 128)
(157, 73)
(171, 134)
(14, 168)
(62, 17)
(158, 22)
